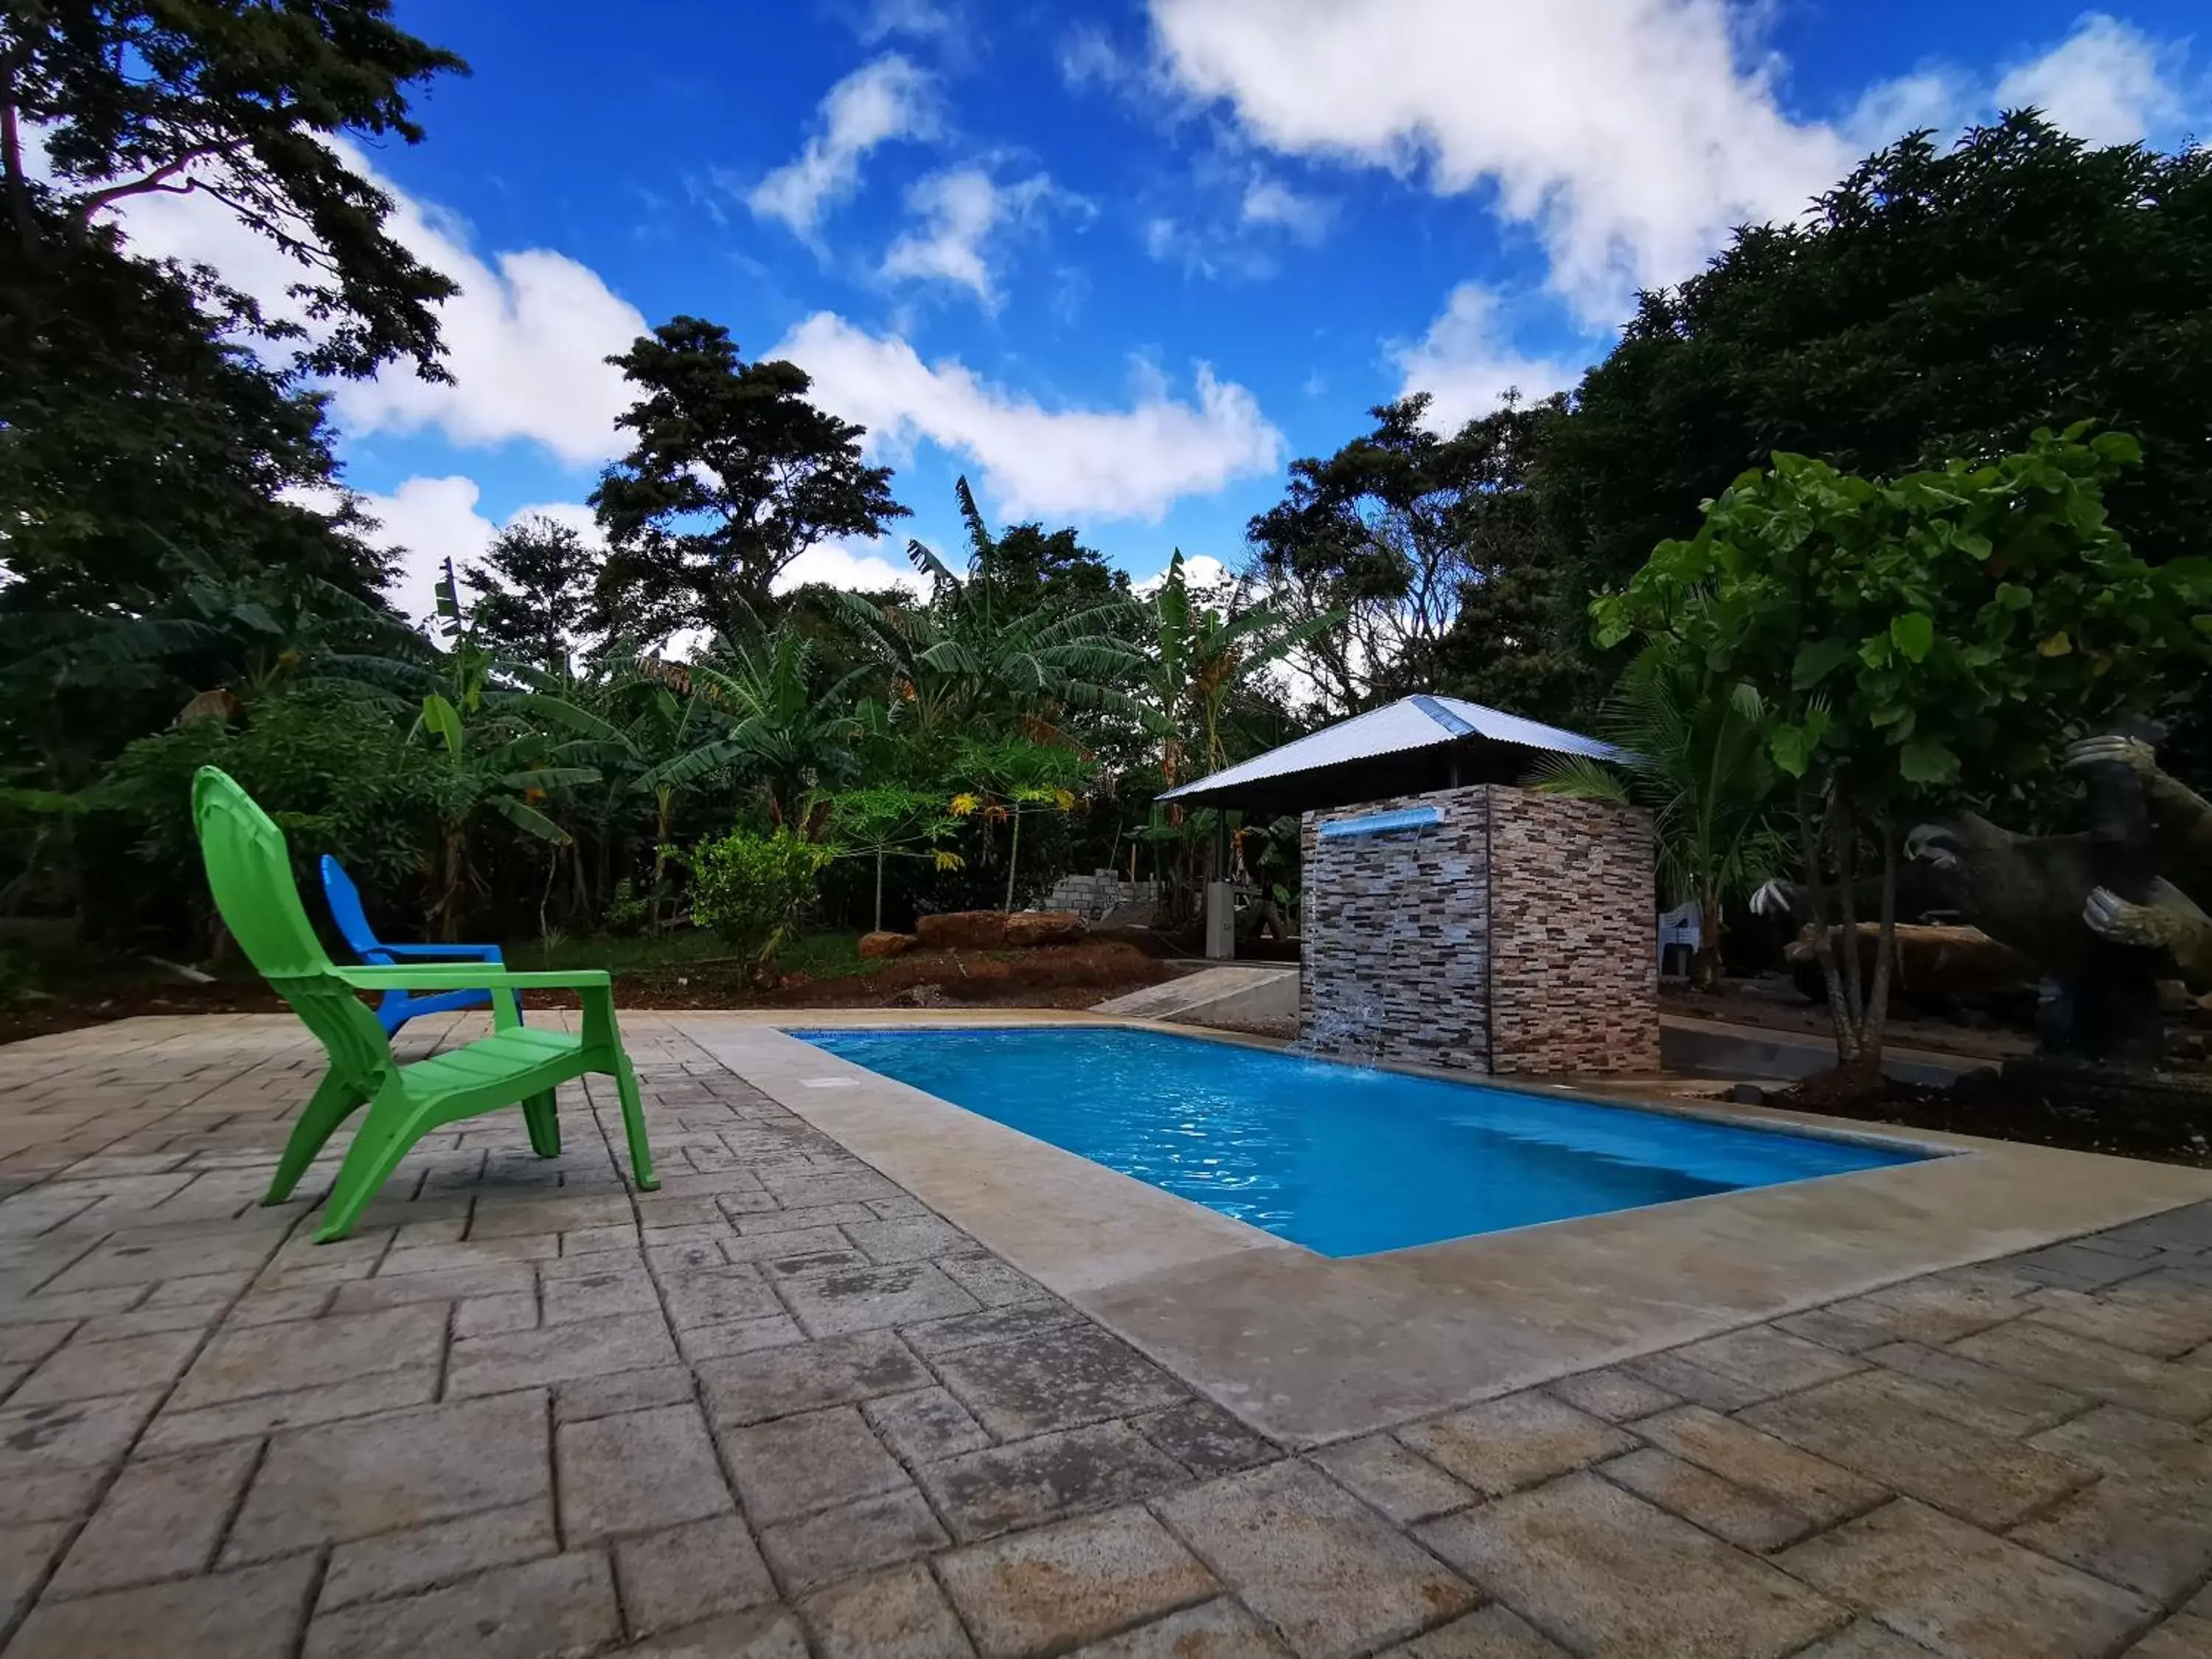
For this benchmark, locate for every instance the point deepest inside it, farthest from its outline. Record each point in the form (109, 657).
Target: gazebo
(1449, 916)
(1409, 747)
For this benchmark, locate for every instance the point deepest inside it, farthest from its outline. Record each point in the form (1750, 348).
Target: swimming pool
(1341, 1159)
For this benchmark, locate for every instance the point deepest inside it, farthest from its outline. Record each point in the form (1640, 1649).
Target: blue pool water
(1341, 1159)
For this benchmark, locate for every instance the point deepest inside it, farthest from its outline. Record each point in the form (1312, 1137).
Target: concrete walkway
(780, 1408)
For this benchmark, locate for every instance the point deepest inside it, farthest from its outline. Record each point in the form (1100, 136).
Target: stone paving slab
(780, 1408)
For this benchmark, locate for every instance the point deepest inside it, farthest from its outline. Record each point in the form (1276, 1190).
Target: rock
(886, 944)
(1030, 927)
(1940, 969)
(963, 930)
(919, 996)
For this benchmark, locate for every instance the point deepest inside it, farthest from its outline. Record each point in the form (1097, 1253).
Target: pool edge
(1290, 1340)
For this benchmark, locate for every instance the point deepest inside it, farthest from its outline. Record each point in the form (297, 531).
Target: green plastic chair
(250, 874)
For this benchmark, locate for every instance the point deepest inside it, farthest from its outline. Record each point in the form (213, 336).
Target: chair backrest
(250, 872)
(345, 899)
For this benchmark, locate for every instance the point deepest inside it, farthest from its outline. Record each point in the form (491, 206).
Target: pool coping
(1311, 1348)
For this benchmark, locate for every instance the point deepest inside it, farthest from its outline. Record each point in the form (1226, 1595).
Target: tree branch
(155, 180)
(11, 156)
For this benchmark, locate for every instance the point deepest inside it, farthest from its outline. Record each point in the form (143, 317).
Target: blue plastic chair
(397, 1007)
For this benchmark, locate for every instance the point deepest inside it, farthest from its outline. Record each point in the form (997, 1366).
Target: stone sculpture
(2105, 913)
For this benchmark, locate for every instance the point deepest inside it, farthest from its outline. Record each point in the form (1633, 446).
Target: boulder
(886, 944)
(963, 930)
(1941, 970)
(1028, 927)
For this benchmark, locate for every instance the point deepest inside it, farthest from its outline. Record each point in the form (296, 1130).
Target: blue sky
(1119, 263)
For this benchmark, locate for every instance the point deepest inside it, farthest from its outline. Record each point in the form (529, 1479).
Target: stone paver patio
(779, 1407)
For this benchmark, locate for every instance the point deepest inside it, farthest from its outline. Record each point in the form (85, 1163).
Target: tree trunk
(879, 889)
(1847, 848)
(1705, 974)
(1885, 959)
(1823, 939)
(1014, 853)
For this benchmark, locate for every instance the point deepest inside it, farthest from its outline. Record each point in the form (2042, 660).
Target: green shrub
(334, 770)
(752, 889)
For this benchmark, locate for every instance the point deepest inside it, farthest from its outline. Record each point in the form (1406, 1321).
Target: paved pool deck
(871, 1376)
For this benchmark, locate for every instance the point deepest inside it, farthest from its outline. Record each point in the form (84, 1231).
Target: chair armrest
(459, 978)
(449, 952)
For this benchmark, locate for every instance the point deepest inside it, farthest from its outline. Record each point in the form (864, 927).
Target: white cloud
(870, 566)
(1088, 57)
(527, 345)
(1628, 134)
(1270, 201)
(963, 209)
(923, 19)
(2107, 82)
(885, 99)
(1037, 462)
(430, 520)
(1205, 576)
(526, 337)
(1466, 365)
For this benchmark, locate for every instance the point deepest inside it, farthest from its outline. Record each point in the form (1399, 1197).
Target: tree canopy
(732, 474)
(1938, 302)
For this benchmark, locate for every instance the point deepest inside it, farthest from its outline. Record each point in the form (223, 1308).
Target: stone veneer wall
(1518, 934)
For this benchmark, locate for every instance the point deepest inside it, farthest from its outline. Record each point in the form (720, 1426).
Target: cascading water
(1355, 1026)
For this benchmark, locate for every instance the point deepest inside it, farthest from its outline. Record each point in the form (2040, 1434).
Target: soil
(1772, 1003)
(1048, 976)
(1985, 1104)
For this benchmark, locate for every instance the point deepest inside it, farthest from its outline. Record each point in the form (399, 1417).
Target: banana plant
(494, 760)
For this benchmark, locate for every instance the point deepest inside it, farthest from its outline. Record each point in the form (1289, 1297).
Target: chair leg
(384, 1137)
(330, 1104)
(640, 1155)
(543, 1123)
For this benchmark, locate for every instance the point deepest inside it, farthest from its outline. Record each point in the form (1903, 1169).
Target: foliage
(1943, 630)
(1004, 780)
(239, 102)
(971, 659)
(887, 822)
(533, 598)
(1936, 303)
(1399, 537)
(1694, 755)
(341, 777)
(1200, 659)
(1031, 568)
(751, 890)
(732, 475)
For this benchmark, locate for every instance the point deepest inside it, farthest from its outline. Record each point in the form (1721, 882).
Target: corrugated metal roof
(1419, 722)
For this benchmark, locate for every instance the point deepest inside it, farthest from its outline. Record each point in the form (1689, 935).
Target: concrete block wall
(1513, 936)
(1096, 894)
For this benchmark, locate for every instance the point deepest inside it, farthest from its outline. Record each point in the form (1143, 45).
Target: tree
(793, 739)
(1693, 755)
(977, 659)
(1030, 568)
(1936, 303)
(1940, 633)
(886, 822)
(1005, 780)
(238, 102)
(1198, 658)
(1390, 535)
(490, 760)
(731, 476)
(535, 593)
(1519, 640)
(140, 445)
